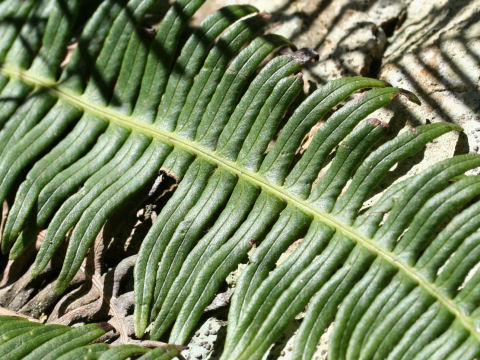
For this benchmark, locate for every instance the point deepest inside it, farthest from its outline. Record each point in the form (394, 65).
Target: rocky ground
(431, 47)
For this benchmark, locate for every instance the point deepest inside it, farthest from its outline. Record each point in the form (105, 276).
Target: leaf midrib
(173, 139)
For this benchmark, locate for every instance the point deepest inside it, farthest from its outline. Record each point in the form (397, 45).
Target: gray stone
(436, 54)
(347, 34)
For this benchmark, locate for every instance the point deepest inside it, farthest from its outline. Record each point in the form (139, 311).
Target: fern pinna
(23, 339)
(221, 110)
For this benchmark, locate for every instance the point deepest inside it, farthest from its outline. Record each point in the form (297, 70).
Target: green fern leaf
(220, 110)
(22, 339)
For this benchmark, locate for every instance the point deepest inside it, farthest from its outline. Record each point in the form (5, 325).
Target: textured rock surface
(436, 54)
(206, 343)
(431, 47)
(349, 35)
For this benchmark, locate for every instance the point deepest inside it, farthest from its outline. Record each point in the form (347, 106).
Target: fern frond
(219, 107)
(23, 339)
